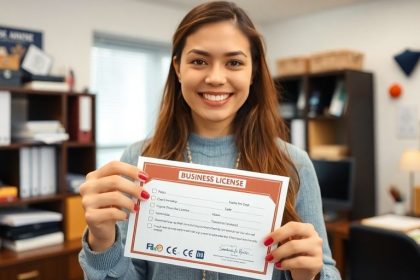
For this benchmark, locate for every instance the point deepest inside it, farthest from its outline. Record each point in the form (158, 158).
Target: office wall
(68, 26)
(380, 29)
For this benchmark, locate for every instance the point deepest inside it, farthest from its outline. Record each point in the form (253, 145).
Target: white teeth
(212, 97)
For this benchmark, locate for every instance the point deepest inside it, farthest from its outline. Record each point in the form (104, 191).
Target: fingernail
(268, 241)
(136, 207)
(278, 264)
(144, 194)
(143, 176)
(269, 258)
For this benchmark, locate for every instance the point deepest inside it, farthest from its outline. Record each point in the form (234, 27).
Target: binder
(5, 117)
(36, 171)
(25, 162)
(80, 119)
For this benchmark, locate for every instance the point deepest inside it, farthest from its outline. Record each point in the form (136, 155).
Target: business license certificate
(207, 217)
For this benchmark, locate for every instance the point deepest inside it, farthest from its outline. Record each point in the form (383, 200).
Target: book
(45, 78)
(80, 124)
(338, 101)
(34, 242)
(21, 217)
(25, 176)
(45, 85)
(8, 193)
(5, 118)
(393, 222)
(28, 231)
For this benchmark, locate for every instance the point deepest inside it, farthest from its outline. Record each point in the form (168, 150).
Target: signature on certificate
(234, 251)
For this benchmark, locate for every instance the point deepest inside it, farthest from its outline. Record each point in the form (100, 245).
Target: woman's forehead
(218, 38)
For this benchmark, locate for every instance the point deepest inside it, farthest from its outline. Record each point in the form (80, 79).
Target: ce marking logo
(188, 253)
(171, 250)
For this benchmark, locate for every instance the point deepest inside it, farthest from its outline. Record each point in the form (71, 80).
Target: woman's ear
(175, 63)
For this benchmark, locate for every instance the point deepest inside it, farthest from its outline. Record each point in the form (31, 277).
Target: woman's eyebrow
(228, 54)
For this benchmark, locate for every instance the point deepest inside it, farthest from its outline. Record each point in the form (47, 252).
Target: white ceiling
(269, 11)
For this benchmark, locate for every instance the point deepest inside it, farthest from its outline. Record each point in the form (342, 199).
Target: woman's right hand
(104, 198)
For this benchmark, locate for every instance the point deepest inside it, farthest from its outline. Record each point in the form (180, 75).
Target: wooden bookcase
(58, 261)
(353, 129)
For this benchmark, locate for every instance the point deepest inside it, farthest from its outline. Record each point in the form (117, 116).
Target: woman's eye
(235, 63)
(198, 62)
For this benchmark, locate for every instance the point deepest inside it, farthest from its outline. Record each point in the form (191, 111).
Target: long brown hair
(257, 125)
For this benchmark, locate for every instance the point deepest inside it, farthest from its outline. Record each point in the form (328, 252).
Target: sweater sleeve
(111, 263)
(309, 208)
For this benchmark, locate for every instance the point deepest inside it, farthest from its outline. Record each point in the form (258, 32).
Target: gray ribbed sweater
(111, 264)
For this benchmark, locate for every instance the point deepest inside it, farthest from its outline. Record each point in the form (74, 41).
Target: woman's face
(215, 73)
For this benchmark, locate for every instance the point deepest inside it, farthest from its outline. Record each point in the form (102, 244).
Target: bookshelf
(72, 156)
(352, 127)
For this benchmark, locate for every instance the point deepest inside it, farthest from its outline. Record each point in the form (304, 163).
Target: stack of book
(27, 229)
(48, 132)
(51, 83)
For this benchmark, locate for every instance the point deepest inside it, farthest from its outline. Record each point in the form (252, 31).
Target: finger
(291, 230)
(108, 199)
(109, 184)
(115, 168)
(300, 247)
(300, 262)
(105, 215)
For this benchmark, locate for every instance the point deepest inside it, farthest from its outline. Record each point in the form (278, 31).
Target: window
(128, 77)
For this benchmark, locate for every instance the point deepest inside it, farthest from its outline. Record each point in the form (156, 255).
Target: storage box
(10, 78)
(335, 60)
(292, 66)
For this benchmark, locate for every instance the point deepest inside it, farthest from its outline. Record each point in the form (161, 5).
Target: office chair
(377, 253)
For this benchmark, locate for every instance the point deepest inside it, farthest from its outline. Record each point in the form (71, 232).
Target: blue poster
(18, 40)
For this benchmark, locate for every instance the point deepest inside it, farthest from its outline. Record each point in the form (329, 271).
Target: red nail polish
(136, 207)
(268, 241)
(269, 258)
(145, 194)
(143, 176)
(278, 265)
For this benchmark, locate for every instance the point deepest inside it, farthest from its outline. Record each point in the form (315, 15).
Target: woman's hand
(300, 250)
(104, 198)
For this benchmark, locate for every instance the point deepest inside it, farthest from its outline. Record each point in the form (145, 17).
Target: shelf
(24, 91)
(34, 200)
(354, 128)
(8, 257)
(18, 145)
(73, 144)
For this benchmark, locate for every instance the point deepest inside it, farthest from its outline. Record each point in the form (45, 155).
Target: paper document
(207, 218)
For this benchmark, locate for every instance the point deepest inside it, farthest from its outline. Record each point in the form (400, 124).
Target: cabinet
(72, 156)
(307, 99)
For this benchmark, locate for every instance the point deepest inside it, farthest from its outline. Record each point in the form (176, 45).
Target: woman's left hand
(299, 250)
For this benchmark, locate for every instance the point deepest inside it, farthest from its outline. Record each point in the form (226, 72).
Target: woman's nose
(216, 76)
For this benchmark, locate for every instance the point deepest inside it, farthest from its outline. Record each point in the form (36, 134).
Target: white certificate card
(207, 217)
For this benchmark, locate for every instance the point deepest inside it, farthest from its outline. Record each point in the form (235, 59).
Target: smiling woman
(217, 61)
(219, 108)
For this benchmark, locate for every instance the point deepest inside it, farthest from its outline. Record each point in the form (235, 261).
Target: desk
(338, 234)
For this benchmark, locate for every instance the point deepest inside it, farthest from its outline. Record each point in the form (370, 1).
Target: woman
(219, 108)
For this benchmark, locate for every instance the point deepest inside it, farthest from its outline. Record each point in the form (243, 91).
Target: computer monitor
(336, 181)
